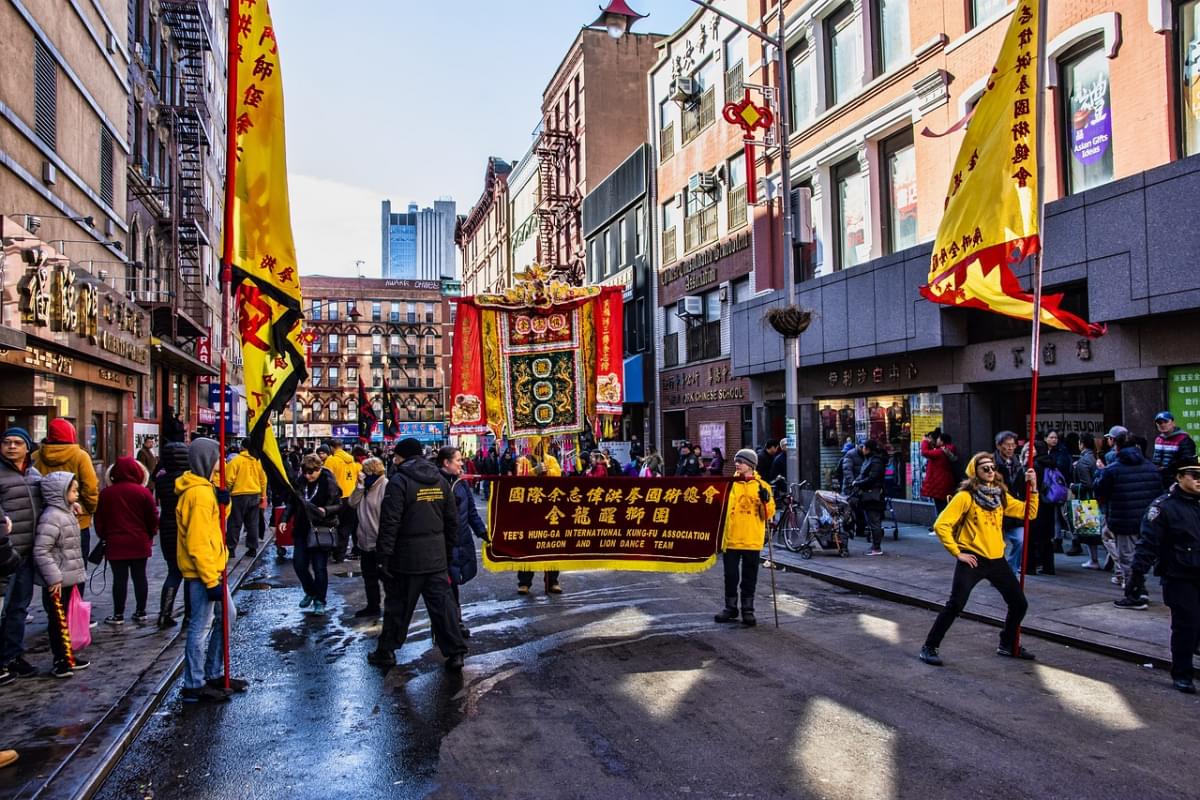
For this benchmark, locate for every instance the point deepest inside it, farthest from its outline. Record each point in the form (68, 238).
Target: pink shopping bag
(79, 620)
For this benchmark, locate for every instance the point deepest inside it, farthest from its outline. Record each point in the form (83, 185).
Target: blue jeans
(16, 608)
(1016, 538)
(312, 567)
(204, 658)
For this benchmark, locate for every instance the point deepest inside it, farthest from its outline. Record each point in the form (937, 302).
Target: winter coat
(1126, 489)
(939, 480)
(21, 498)
(1084, 471)
(1170, 537)
(1013, 473)
(324, 494)
(58, 547)
(147, 459)
(746, 520)
(551, 467)
(778, 466)
(172, 463)
(345, 471)
(368, 502)
(245, 475)
(1170, 450)
(418, 522)
(689, 466)
(850, 466)
(9, 560)
(981, 531)
(126, 518)
(200, 551)
(71, 458)
(463, 565)
(1062, 460)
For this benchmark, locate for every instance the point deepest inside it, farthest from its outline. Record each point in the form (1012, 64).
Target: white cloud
(335, 224)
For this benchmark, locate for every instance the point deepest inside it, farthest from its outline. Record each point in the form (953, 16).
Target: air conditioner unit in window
(684, 89)
(705, 182)
(690, 306)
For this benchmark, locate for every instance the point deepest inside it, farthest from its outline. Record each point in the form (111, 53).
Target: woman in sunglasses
(970, 528)
(320, 500)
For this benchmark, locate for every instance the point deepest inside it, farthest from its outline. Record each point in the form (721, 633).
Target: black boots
(166, 607)
(730, 614)
(748, 612)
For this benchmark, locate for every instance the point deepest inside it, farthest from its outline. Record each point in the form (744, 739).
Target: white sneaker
(1089, 564)
(1117, 580)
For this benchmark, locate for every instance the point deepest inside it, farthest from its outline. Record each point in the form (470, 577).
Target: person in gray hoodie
(58, 553)
(366, 500)
(21, 496)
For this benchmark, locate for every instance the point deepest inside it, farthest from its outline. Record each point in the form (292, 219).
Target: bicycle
(789, 524)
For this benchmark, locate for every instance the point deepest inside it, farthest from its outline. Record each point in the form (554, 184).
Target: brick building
(482, 236)
(372, 328)
(1120, 188)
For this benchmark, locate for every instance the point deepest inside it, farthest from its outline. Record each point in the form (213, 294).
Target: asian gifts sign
(580, 523)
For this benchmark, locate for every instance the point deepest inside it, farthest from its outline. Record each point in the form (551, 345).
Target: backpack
(1056, 485)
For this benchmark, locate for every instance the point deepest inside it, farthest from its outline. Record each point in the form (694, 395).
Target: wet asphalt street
(624, 687)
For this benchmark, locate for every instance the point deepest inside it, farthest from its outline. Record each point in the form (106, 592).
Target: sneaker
(1008, 652)
(62, 670)
(365, 613)
(930, 656)
(307, 601)
(81, 663)
(454, 663)
(6, 677)
(235, 684)
(1117, 580)
(1089, 564)
(522, 590)
(115, 619)
(139, 618)
(1131, 603)
(1185, 685)
(381, 658)
(874, 552)
(7, 757)
(554, 588)
(318, 608)
(205, 694)
(21, 668)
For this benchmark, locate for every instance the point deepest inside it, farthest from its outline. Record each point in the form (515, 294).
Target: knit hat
(22, 433)
(324, 449)
(60, 431)
(747, 456)
(409, 448)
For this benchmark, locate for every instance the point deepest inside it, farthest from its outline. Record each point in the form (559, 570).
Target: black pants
(1001, 576)
(526, 578)
(244, 512)
(56, 625)
(741, 566)
(371, 577)
(122, 572)
(1041, 548)
(873, 516)
(401, 601)
(1183, 598)
(347, 528)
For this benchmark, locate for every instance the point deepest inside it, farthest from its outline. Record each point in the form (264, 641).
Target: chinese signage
(697, 270)
(707, 384)
(1183, 396)
(875, 374)
(651, 524)
(66, 307)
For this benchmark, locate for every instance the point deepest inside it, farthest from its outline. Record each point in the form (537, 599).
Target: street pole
(791, 344)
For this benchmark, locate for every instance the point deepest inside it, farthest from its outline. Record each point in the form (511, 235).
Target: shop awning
(634, 384)
(179, 359)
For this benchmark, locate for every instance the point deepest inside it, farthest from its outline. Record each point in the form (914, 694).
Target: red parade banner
(580, 523)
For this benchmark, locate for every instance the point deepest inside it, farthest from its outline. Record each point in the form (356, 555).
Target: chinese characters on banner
(564, 523)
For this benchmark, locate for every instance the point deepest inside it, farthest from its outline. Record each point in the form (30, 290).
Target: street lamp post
(618, 18)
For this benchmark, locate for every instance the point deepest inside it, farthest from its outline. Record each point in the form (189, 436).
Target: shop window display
(885, 418)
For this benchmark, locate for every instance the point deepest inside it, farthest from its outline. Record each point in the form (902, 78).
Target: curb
(1113, 651)
(125, 736)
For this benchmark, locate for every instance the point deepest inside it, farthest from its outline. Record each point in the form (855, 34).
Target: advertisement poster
(1183, 396)
(712, 435)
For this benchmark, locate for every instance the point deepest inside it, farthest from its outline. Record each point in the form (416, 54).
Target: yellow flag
(260, 245)
(992, 215)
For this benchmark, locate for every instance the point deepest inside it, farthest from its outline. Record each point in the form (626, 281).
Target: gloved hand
(763, 495)
(223, 496)
(385, 569)
(215, 593)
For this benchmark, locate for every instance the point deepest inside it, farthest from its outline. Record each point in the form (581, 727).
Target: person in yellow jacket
(971, 529)
(247, 482)
(60, 452)
(750, 506)
(201, 555)
(345, 471)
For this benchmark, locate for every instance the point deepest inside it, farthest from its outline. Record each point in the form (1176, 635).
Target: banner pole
(1035, 339)
(771, 555)
(226, 279)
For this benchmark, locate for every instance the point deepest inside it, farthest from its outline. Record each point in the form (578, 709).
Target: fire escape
(558, 210)
(191, 28)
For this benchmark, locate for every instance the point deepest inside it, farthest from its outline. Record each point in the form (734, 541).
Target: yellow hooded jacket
(980, 532)
(746, 520)
(72, 458)
(200, 550)
(551, 467)
(245, 475)
(345, 471)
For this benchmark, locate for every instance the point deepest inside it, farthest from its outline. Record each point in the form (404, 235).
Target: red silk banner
(610, 351)
(467, 409)
(579, 523)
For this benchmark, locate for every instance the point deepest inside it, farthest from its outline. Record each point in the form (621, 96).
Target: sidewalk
(68, 731)
(1073, 607)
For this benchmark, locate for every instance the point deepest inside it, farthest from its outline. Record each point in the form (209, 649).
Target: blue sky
(407, 99)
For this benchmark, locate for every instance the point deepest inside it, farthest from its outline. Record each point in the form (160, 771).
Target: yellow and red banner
(259, 245)
(580, 523)
(991, 214)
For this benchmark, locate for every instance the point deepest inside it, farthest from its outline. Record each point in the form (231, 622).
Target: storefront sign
(874, 374)
(204, 354)
(421, 286)
(1183, 396)
(708, 384)
(696, 270)
(1068, 422)
(68, 307)
(50, 362)
(624, 279)
(573, 523)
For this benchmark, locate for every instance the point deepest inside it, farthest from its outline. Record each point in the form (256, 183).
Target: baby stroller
(826, 525)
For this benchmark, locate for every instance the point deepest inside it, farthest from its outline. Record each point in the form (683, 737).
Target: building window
(735, 198)
(700, 112)
(376, 343)
(700, 220)
(1087, 113)
(670, 251)
(394, 315)
(376, 378)
(984, 11)
(704, 335)
(394, 344)
(333, 377)
(851, 214)
(351, 342)
(622, 244)
(334, 410)
(666, 132)
(429, 312)
(395, 374)
(1188, 32)
(333, 310)
(891, 34)
(899, 158)
(351, 409)
(45, 96)
(315, 310)
(802, 83)
(106, 166)
(639, 244)
(429, 383)
(332, 340)
(411, 312)
(316, 344)
(673, 324)
(843, 42)
(429, 348)
(376, 311)
(352, 374)
(734, 83)
(318, 375)
(741, 289)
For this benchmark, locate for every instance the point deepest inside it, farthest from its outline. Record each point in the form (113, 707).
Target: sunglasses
(986, 468)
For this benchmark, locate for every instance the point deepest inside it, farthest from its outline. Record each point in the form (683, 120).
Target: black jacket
(21, 499)
(1170, 537)
(848, 469)
(1013, 473)
(870, 481)
(689, 466)
(172, 462)
(463, 565)
(1126, 488)
(325, 495)
(418, 520)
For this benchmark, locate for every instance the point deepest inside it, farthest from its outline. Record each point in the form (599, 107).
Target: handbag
(98, 552)
(79, 620)
(322, 537)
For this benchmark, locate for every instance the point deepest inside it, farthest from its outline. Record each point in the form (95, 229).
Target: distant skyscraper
(419, 245)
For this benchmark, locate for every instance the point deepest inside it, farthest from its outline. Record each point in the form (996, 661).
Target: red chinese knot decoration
(749, 116)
